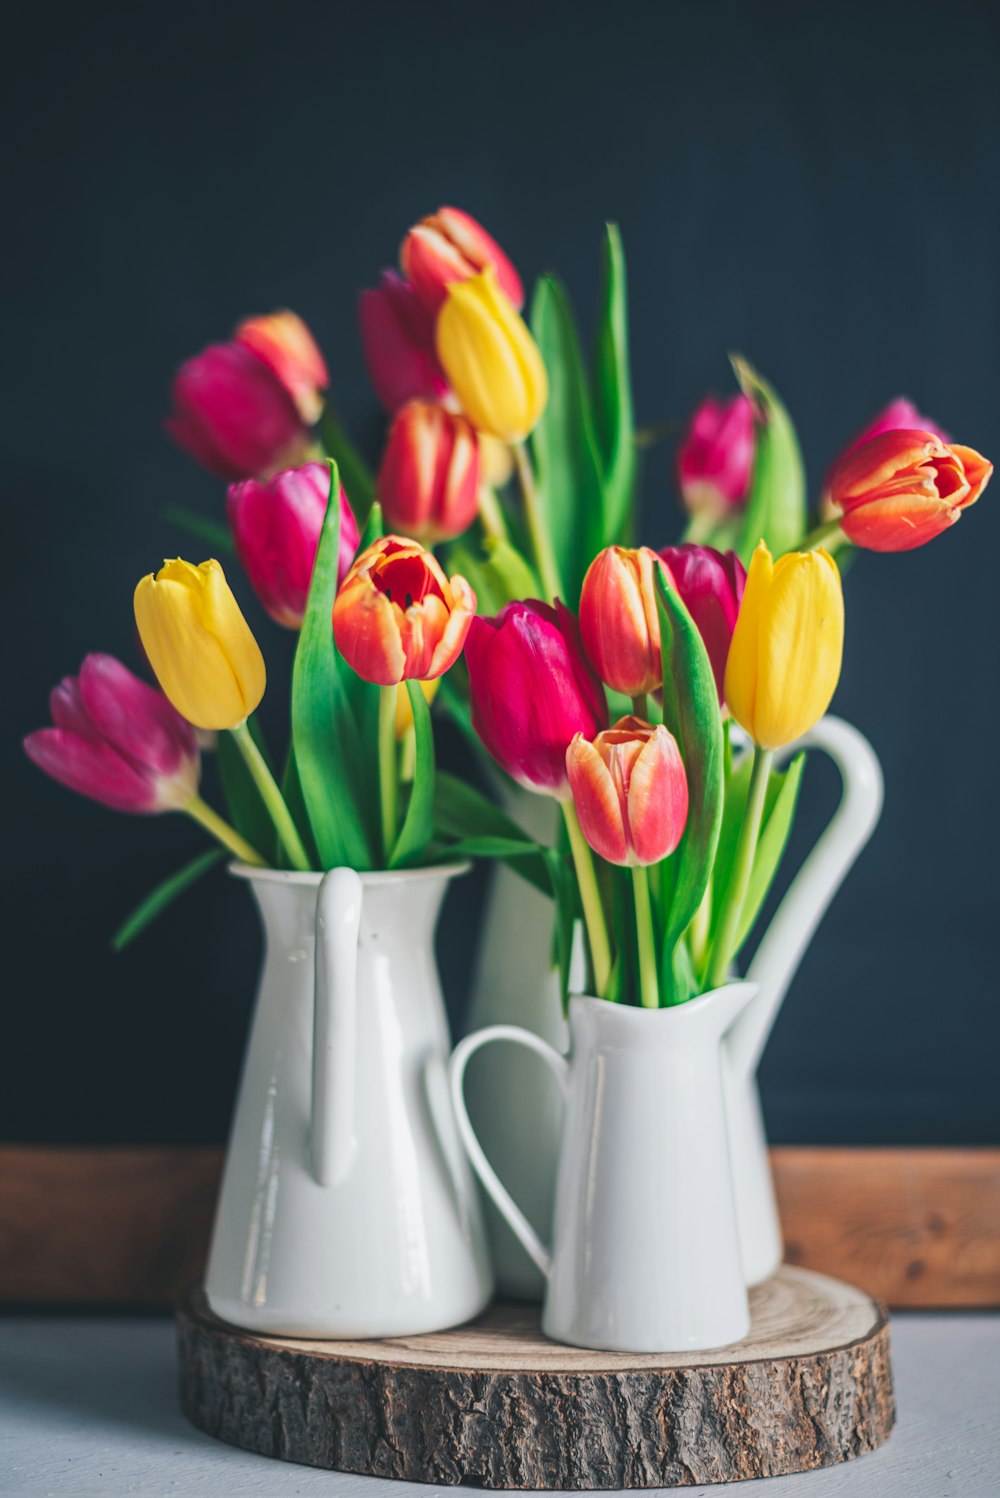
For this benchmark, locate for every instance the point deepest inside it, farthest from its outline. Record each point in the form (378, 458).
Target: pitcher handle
(782, 946)
(333, 1141)
(492, 1184)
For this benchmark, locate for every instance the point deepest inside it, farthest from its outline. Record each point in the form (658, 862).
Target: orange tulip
(397, 616)
(619, 624)
(901, 489)
(630, 791)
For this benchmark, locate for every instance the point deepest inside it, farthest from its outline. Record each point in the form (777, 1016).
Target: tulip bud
(397, 338)
(234, 416)
(715, 457)
(397, 617)
(711, 588)
(276, 527)
(448, 247)
(630, 791)
(619, 623)
(287, 347)
(490, 359)
(428, 483)
(784, 660)
(531, 691)
(117, 740)
(199, 644)
(901, 489)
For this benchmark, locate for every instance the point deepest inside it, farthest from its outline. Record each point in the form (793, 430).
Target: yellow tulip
(784, 660)
(491, 360)
(404, 712)
(199, 644)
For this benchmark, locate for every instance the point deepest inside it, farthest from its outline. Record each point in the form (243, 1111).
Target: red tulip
(234, 416)
(715, 457)
(428, 483)
(531, 691)
(630, 791)
(276, 527)
(903, 488)
(619, 623)
(450, 246)
(711, 587)
(287, 347)
(397, 617)
(397, 337)
(117, 740)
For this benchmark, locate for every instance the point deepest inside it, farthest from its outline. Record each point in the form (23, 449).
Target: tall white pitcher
(347, 1206)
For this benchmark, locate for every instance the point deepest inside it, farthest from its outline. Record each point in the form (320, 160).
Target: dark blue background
(813, 185)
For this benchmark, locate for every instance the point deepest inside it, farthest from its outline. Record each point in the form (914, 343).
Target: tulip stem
(272, 798)
(739, 880)
(830, 532)
(220, 829)
(640, 707)
(590, 898)
(491, 514)
(541, 542)
(649, 983)
(387, 775)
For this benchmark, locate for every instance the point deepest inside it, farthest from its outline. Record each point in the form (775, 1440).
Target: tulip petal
(134, 717)
(978, 471)
(366, 632)
(657, 802)
(898, 522)
(879, 461)
(92, 768)
(743, 662)
(800, 647)
(597, 801)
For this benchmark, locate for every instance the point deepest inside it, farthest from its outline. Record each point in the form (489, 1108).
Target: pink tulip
(397, 337)
(287, 347)
(450, 246)
(234, 416)
(715, 457)
(630, 791)
(531, 691)
(117, 740)
(276, 527)
(428, 483)
(711, 586)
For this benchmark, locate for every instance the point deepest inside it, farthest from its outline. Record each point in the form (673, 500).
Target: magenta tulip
(532, 691)
(117, 740)
(233, 415)
(715, 457)
(397, 337)
(276, 527)
(711, 586)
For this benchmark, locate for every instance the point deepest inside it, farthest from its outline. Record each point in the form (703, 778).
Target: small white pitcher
(347, 1206)
(645, 1252)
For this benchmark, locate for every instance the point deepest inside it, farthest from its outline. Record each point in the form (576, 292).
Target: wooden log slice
(496, 1405)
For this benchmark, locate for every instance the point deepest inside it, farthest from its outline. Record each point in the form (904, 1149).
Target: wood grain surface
(913, 1227)
(496, 1405)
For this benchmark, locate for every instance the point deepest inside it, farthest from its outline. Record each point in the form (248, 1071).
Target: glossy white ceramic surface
(347, 1206)
(645, 1253)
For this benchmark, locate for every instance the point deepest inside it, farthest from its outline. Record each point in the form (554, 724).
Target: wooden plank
(913, 1227)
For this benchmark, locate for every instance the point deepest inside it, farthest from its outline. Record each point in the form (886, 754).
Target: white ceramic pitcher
(645, 1253)
(347, 1206)
(515, 982)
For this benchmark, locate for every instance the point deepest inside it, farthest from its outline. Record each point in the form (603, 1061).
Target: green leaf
(418, 823)
(374, 528)
(493, 847)
(354, 470)
(497, 573)
(324, 732)
(244, 803)
(461, 811)
(567, 465)
(776, 504)
(613, 416)
(691, 712)
(218, 536)
(566, 910)
(291, 789)
(163, 895)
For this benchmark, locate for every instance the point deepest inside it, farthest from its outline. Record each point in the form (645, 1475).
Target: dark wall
(814, 185)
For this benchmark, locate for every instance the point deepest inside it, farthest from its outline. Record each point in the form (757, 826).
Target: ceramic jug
(516, 983)
(645, 1250)
(347, 1206)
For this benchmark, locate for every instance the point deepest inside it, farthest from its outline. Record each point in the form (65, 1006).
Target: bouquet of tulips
(492, 548)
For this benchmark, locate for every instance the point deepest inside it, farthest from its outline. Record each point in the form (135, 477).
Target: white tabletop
(89, 1405)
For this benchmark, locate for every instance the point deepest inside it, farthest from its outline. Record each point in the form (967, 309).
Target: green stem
(220, 829)
(739, 880)
(491, 514)
(272, 798)
(640, 706)
(590, 898)
(387, 771)
(829, 532)
(701, 924)
(649, 983)
(541, 542)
